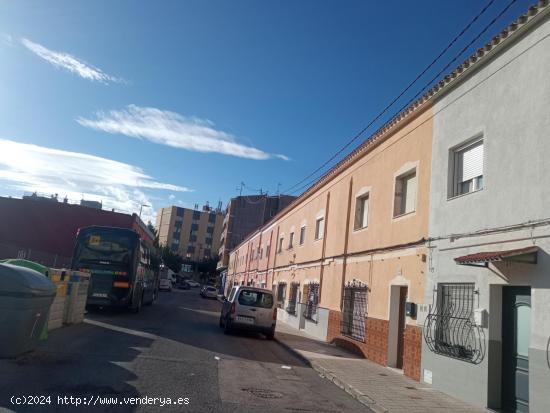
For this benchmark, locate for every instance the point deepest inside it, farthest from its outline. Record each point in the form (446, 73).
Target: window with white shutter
(468, 168)
(405, 194)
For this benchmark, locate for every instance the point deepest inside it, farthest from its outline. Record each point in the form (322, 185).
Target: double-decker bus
(119, 263)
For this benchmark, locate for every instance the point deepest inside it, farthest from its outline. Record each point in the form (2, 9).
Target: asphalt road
(173, 349)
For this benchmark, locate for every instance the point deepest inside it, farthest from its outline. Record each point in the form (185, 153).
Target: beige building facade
(191, 233)
(348, 257)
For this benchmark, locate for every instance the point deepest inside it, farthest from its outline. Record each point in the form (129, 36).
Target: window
(302, 235)
(177, 225)
(196, 215)
(179, 211)
(176, 238)
(281, 294)
(312, 301)
(267, 250)
(194, 227)
(292, 298)
(208, 241)
(361, 212)
(319, 228)
(174, 247)
(210, 230)
(467, 168)
(280, 249)
(192, 238)
(290, 240)
(207, 254)
(255, 299)
(450, 328)
(211, 218)
(405, 194)
(191, 249)
(354, 312)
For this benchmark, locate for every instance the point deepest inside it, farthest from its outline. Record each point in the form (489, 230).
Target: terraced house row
(426, 249)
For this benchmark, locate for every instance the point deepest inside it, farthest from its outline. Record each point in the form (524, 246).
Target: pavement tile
(379, 388)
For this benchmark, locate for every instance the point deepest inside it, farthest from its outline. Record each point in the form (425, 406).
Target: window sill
(358, 230)
(466, 194)
(406, 214)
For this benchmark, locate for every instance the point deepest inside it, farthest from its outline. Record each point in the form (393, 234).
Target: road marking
(211, 313)
(217, 358)
(286, 367)
(122, 329)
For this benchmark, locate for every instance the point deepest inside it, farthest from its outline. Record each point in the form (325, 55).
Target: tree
(171, 259)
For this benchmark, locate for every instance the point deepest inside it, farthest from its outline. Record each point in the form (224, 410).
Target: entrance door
(516, 334)
(401, 327)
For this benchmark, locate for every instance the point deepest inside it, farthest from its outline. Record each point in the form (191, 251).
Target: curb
(326, 374)
(352, 391)
(294, 352)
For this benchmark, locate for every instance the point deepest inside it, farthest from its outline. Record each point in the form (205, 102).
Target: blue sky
(177, 102)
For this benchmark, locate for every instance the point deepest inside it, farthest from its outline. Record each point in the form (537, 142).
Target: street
(173, 349)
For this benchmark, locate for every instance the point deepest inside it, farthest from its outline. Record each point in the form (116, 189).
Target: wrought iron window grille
(281, 294)
(292, 299)
(311, 307)
(449, 329)
(354, 310)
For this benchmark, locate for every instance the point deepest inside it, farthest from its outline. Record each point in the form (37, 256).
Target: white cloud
(172, 129)
(68, 62)
(172, 197)
(30, 168)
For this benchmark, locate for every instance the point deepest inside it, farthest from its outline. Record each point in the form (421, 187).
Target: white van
(249, 308)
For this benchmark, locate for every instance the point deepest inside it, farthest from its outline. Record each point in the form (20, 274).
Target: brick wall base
(412, 352)
(375, 347)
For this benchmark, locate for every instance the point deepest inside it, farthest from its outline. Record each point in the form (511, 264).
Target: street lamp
(141, 208)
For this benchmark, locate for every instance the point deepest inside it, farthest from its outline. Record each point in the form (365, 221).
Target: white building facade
(487, 325)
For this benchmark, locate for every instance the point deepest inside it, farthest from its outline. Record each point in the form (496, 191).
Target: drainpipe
(275, 256)
(247, 264)
(267, 266)
(346, 240)
(323, 248)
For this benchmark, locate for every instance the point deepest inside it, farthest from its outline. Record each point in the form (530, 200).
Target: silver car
(249, 308)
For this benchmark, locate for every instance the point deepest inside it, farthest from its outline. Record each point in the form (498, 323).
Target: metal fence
(312, 302)
(449, 328)
(45, 258)
(354, 312)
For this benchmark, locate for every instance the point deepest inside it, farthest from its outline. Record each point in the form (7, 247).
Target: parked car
(209, 292)
(183, 285)
(249, 308)
(193, 284)
(165, 284)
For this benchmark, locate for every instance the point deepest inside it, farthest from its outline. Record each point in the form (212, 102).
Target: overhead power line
(427, 85)
(411, 84)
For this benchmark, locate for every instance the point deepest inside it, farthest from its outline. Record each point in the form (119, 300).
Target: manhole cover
(263, 393)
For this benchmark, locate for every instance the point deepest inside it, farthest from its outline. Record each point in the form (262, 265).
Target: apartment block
(426, 249)
(191, 233)
(245, 214)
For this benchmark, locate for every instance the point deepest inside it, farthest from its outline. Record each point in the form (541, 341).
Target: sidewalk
(379, 388)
